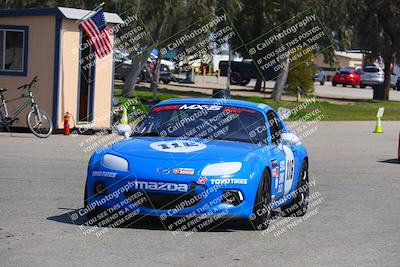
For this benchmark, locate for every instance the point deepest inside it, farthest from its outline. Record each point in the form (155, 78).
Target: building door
(86, 80)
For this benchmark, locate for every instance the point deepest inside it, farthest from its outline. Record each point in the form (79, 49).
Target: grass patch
(360, 110)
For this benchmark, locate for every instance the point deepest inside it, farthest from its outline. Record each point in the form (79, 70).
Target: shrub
(302, 75)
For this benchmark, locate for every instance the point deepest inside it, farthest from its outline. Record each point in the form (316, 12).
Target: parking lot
(323, 91)
(355, 223)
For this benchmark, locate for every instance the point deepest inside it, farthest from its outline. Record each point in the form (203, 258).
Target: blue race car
(193, 157)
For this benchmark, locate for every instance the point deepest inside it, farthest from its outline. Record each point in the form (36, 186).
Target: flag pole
(89, 13)
(61, 54)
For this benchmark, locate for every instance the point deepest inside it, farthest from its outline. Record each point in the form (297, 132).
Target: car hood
(183, 149)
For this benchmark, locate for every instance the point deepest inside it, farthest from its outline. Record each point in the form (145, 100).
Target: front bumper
(372, 82)
(200, 199)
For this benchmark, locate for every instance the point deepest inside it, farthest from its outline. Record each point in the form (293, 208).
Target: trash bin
(220, 93)
(378, 91)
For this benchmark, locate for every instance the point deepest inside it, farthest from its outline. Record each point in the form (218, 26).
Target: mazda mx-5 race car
(194, 157)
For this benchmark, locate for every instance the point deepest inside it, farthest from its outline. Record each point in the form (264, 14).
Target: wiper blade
(146, 134)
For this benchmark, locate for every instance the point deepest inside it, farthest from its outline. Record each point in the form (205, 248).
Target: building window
(13, 50)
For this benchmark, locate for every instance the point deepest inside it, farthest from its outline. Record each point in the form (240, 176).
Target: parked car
(347, 76)
(122, 65)
(320, 77)
(166, 75)
(394, 78)
(241, 72)
(372, 75)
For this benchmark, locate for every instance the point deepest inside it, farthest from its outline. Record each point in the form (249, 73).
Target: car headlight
(115, 162)
(224, 168)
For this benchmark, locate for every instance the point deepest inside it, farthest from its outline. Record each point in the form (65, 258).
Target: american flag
(95, 28)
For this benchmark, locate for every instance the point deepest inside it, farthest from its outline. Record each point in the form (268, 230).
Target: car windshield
(371, 70)
(164, 68)
(204, 121)
(344, 72)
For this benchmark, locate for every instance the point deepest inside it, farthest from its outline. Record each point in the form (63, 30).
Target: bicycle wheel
(41, 126)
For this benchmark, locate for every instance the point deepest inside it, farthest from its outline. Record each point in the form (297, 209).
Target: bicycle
(37, 120)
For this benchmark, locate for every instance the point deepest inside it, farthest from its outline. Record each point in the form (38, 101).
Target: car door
(278, 156)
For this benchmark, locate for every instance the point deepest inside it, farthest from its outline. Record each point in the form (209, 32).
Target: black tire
(298, 207)
(322, 82)
(166, 81)
(362, 85)
(85, 198)
(245, 81)
(344, 85)
(236, 78)
(41, 129)
(93, 213)
(262, 205)
(333, 84)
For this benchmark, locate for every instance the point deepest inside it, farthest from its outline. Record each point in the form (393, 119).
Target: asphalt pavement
(353, 220)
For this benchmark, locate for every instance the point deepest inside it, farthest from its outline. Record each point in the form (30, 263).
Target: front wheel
(298, 206)
(261, 216)
(245, 81)
(236, 78)
(39, 123)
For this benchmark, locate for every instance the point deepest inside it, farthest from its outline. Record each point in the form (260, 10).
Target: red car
(347, 77)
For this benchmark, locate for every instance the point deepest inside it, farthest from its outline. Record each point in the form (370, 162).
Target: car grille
(166, 201)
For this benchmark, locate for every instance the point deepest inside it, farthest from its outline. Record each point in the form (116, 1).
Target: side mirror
(124, 130)
(290, 139)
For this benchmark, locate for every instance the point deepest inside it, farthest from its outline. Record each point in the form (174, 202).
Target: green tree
(258, 17)
(162, 18)
(371, 26)
(378, 30)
